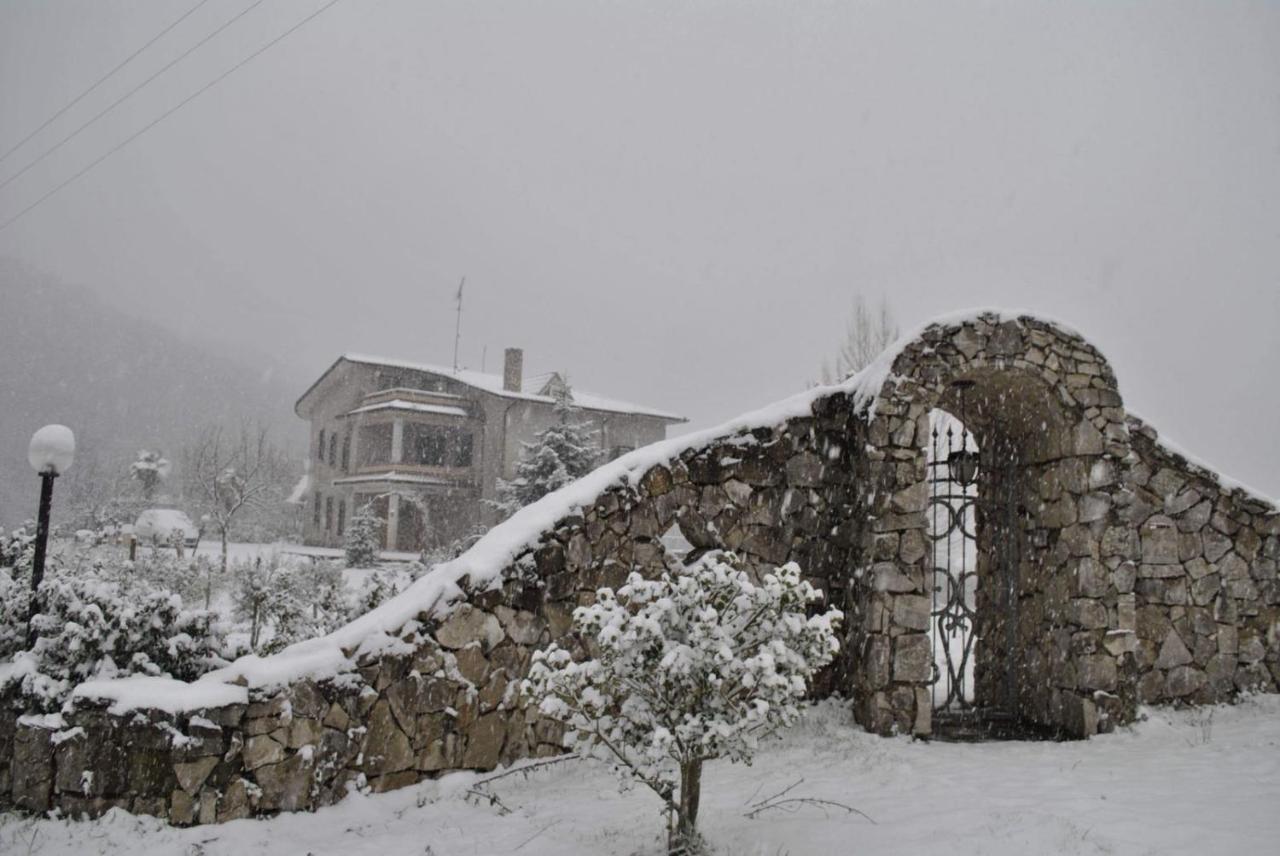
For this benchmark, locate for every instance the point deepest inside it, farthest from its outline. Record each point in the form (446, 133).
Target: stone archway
(1053, 625)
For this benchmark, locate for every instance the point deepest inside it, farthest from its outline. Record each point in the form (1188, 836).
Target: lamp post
(50, 453)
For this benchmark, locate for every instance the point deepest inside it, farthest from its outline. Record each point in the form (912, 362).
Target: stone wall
(446, 698)
(1203, 557)
(1137, 577)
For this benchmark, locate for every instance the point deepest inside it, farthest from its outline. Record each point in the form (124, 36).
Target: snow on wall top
(1203, 467)
(142, 691)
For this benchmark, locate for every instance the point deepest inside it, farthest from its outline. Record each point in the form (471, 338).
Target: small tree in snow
(364, 537)
(689, 668)
(148, 470)
(560, 454)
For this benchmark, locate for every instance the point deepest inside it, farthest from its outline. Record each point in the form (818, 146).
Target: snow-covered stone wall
(1111, 555)
(1203, 554)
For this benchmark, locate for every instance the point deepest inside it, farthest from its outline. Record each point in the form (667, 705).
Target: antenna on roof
(457, 330)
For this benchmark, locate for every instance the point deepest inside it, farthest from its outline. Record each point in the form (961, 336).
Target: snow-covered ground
(1193, 782)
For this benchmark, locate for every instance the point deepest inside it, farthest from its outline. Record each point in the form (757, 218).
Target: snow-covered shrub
(689, 668)
(283, 602)
(364, 537)
(15, 595)
(17, 546)
(90, 626)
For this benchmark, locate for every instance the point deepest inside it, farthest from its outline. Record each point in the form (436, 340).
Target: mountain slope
(121, 383)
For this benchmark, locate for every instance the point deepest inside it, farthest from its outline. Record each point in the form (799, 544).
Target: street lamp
(50, 453)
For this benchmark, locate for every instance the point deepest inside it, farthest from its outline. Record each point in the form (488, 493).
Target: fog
(673, 203)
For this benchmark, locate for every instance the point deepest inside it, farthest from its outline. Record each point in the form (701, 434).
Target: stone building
(426, 445)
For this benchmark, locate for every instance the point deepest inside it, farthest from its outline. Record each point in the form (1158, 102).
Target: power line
(114, 104)
(166, 114)
(101, 80)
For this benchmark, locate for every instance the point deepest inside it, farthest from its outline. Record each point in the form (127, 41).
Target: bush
(284, 603)
(690, 668)
(90, 627)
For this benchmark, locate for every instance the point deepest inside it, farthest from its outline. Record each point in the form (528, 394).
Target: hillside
(121, 383)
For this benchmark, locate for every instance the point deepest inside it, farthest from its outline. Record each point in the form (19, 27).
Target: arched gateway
(1101, 569)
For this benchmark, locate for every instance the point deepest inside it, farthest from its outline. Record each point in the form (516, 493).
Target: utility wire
(130, 58)
(166, 114)
(114, 104)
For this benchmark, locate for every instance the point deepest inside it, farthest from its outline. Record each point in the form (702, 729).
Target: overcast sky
(676, 202)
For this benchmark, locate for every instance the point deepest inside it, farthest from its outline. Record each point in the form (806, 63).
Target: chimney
(512, 369)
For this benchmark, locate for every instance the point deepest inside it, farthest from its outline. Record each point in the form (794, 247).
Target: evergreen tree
(364, 537)
(560, 454)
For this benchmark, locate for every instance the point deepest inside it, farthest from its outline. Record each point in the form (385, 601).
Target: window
(437, 446)
(346, 453)
(320, 454)
(342, 515)
(315, 513)
(375, 444)
(333, 449)
(462, 457)
(328, 513)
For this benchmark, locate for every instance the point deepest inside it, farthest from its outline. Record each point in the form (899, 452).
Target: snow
(1226, 482)
(53, 447)
(393, 476)
(298, 496)
(494, 384)
(159, 523)
(416, 407)
(1183, 782)
(138, 692)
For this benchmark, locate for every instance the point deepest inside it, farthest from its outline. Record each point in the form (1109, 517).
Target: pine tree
(364, 537)
(560, 454)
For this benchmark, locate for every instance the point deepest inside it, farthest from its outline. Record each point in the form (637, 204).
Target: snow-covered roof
(492, 384)
(415, 406)
(393, 476)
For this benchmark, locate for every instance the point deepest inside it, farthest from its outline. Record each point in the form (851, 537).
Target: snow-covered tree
(95, 623)
(558, 455)
(229, 473)
(689, 668)
(363, 538)
(148, 470)
(866, 336)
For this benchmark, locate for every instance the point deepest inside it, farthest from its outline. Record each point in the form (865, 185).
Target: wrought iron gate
(973, 505)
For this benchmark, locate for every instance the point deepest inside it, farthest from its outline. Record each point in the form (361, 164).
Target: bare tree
(229, 472)
(98, 492)
(867, 334)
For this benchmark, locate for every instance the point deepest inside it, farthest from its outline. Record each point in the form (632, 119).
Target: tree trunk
(224, 549)
(684, 838)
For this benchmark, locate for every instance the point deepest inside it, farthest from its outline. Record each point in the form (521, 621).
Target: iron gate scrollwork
(972, 488)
